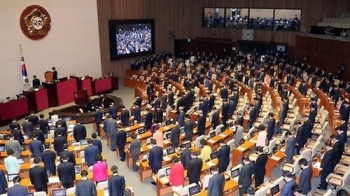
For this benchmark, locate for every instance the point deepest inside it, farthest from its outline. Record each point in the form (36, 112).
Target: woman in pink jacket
(100, 170)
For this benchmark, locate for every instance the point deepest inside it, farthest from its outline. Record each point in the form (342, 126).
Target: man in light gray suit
(135, 147)
(216, 183)
(238, 132)
(290, 148)
(111, 129)
(85, 187)
(14, 145)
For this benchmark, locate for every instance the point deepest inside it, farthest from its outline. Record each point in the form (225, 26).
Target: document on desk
(210, 163)
(222, 135)
(149, 146)
(165, 180)
(77, 148)
(241, 148)
(127, 129)
(166, 158)
(142, 124)
(275, 158)
(211, 141)
(166, 141)
(54, 180)
(317, 165)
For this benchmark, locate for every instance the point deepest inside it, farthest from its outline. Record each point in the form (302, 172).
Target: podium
(81, 97)
(49, 77)
(37, 99)
(85, 83)
(61, 92)
(13, 108)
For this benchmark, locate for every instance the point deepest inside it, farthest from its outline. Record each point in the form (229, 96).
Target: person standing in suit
(54, 74)
(125, 115)
(185, 155)
(341, 132)
(68, 154)
(159, 115)
(223, 156)
(90, 153)
(135, 146)
(338, 149)
(85, 187)
(120, 142)
(79, 132)
(175, 136)
(48, 157)
(238, 133)
(44, 124)
(176, 178)
(216, 183)
(301, 137)
(98, 119)
(59, 127)
(137, 113)
(116, 183)
(17, 189)
(39, 133)
(3, 182)
(33, 118)
(112, 129)
(96, 142)
(305, 176)
(215, 120)
(194, 168)
(27, 127)
(201, 123)
(270, 126)
(14, 146)
(181, 117)
(224, 112)
(100, 170)
(36, 146)
(290, 148)
(327, 165)
(148, 119)
(66, 172)
(58, 142)
(113, 110)
(17, 134)
(11, 163)
(290, 182)
(260, 166)
(252, 116)
(36, 82)
(155, 158)
(38, 176)
(245, 175)
(13, 124)
(189, 125)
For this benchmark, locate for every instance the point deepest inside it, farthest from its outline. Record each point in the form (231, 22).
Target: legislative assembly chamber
(183, 98)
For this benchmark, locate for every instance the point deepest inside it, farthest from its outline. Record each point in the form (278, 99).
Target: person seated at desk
(58, 142)
(11, 163)
(85, 187)
(116, 183)
(90, 153)
(14, 124)
(36, 146)
(36, 82)
(96, 142)
(14, 146)
(79, 132)
(66, 172)
(48, 157)
(69, 154)
(17, 189)
(216, 182)
(38, 176)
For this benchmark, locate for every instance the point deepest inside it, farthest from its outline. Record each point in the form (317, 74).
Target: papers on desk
(106, 192)
(282, 149)
(210, 163)
(317, 165)
(211, 141)
(166, 141)
(142, 124)
(166, 158)
(54, 180)
(165, 180)
(275, 158)
(138, 136)
(127, 129)
(76, 147)
(149, 146)
(222, 135)
(241, 148)
(252, 140)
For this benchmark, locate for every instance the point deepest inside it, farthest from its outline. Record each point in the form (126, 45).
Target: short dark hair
(213, 168)
(58, 131)
(41, 115)
(287, 174)
(133, 136)
(288, 133)
(174, 159)
(65, 146)
(342, 192)
(84, 173)
(98, 157)
(245, 158)
(334, 136)
(251, 191)
(203, 142)
(35, 135)
(9, 151)
(36, 160)
(94, 135)
(114, 169)
(297, 188)
(46, 145)
(89, 140)
(16, 179)
(303, 161)
(64, 157)
(260, 149)
(221, 141)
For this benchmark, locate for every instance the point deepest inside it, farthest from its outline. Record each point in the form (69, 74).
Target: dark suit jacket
(70, 155)
(49, 158)
(116, 185)
(252, 115)
(40, 135)
(271, 128)
(137, 113)
(215, 121)
(194, 169)
(186, 157)
(3, 182)
(181, 119)
(85, 188)
(33, 119)
(98, 116)
(125, 115)
(171, 98)
(342, 137)
(12, 125)
(36, 83)
(38, 177)
(97, 143)
(290, 149)
(54, 75)
(224, 158)
(121, 138)
(260, 164)
(245, 175)
(44, 125)
(148, 120)
(17, 133)
(58, 144)
(159, 116)
(90, 153)
(327, 161)
(216, 185)
(66, 172)
(36, 148)
(175, 136)
(201, 125)
(155, 158)
(189, 130)
(224, 111)
(338, 150)
(312, 116)
(63, 131)
(287, 188)
(113, 111)
(79, 132)
(27, 128)
(17, 190)
(305, 180)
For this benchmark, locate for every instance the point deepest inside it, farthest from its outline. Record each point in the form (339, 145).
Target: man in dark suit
(194, 168)
(224, 112)
(223, 156)
(189, 125)
(137, 113)
(61, 128)
(13, 124)
(58, 142)
(17, 134)
(155, 158)
(305, 176)
(204, 106)
(181, 117)
(312, 115)
(156, 102)
(215, 120)
(38, 176)
(159, 115)
(27, 127)
(216, 183)
(66, 172)
(68, 154)
(201, 123)
(345, 111)
(36, 146)
(44, 124)
(148, 119)
(327, 165)
(211, 102)
(185, 155)
(124, 117)
(171, 97)
(164, 101)
(290, 183)
(260, 166)
(48, 157)
(85, 187)
(39, 133)
(338, 148)
(283, 113)
(116, 183)
(79, 132)
(121, 141)
(252, 116)
(175, 136)
(96, 142)
(270, 126)
(302, 88)
(3, 182)
(290, 148)
(36, 82)
(33, 118)
(98, 115)
(113, 110)
(301, 137)
(138, 101)
(90, 153)
(245, 175)
(17, 189)
(54, 74)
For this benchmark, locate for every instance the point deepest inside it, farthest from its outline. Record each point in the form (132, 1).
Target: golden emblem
(35, 22)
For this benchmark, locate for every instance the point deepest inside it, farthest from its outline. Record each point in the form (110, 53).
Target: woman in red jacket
(177, 175)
